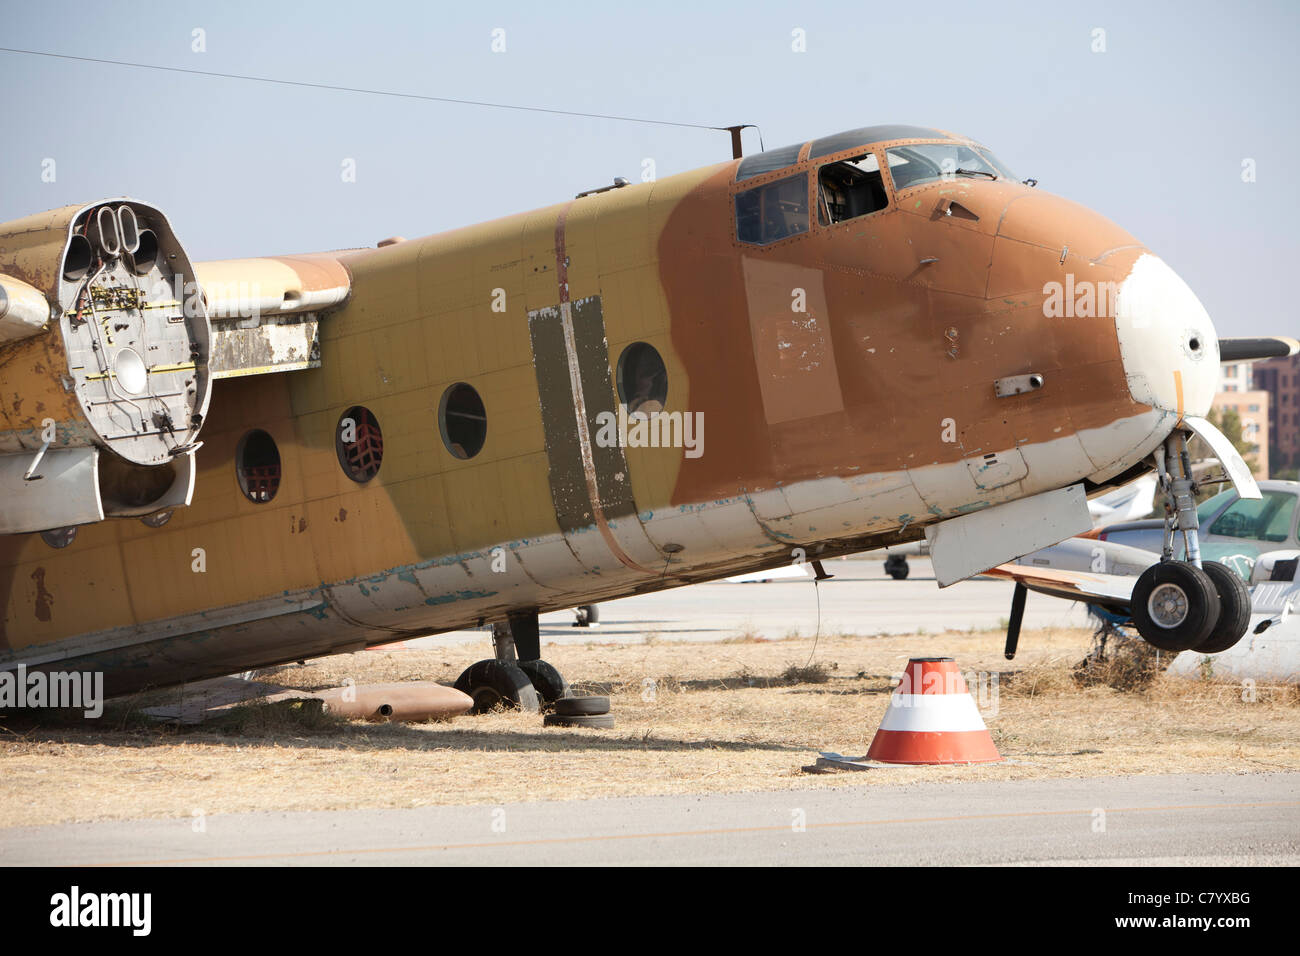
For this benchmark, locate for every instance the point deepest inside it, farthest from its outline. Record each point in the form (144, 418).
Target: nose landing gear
(1187, 605)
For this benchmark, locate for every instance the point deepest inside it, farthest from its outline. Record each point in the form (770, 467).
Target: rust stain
(44, 599)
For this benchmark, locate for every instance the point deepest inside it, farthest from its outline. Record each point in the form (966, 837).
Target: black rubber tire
(897, 568)
(582, 706)
(1234, 609)
(593, 613)
(546, 680)
(601, 721)
(493, 682)
(1189, 584)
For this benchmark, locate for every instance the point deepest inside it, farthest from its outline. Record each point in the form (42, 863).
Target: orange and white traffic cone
(932, 719)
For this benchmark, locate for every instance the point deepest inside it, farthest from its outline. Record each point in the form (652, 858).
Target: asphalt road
(860, 599)
(1179, 819)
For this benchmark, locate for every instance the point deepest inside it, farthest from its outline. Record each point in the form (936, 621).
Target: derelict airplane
(329, 451)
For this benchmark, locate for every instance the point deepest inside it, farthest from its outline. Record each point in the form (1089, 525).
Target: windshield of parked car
(1210, 507)
(1266, 519)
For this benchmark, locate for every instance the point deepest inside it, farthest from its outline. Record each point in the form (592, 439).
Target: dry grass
(736, 715)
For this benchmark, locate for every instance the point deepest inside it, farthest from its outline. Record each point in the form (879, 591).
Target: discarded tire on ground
(1234, 609)
(602, 721)
(581, 706)
(494, 682)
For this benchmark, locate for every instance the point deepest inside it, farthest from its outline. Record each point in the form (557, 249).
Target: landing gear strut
(516, 677)
(1187, 605)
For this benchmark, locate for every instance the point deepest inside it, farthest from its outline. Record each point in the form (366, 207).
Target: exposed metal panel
(568, 482)
(67, 492)
(598, 390)
(272, 346)
(963, 547)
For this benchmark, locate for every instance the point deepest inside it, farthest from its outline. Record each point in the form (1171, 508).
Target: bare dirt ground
(742, 714)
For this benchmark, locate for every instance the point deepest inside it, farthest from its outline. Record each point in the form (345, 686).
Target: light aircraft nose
(1166, 340)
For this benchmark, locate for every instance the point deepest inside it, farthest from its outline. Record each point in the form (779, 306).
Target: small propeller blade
(1254, 350)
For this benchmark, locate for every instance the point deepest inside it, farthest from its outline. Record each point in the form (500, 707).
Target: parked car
(1233, 531)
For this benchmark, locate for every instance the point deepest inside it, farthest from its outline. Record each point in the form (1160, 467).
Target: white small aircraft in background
(1258, 539)
(1127, 503)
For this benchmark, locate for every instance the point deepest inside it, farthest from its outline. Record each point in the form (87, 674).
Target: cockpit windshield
(927, 162)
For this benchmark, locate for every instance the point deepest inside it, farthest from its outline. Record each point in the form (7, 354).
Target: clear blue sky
(1151, 133)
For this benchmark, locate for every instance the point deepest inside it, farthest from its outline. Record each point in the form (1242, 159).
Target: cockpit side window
(773, 211)
(849, 189)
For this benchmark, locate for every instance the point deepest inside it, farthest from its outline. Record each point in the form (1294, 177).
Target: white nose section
(1166, 339)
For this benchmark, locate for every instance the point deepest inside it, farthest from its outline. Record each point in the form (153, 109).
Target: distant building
(1235, 377)
(1280, 377)
(1252, 408)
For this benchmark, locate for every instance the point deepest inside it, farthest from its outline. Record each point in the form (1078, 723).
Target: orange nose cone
(932, 719)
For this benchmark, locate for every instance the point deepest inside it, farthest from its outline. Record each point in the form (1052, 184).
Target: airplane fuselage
(845, 371)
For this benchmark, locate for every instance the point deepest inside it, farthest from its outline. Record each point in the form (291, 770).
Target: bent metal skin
(843, 314)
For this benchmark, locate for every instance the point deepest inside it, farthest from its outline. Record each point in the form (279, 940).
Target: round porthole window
(359, 443)
(462, 420)
(642, 379)
(59, 537)
(257, 465)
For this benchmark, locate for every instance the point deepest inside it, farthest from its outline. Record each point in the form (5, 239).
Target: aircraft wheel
(546, 680)
(494, 682)
(1234, 609)
(1175, 605)
(588, 614)
(896, 567)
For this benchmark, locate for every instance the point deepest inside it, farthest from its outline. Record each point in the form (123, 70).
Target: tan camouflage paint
(665, 263)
